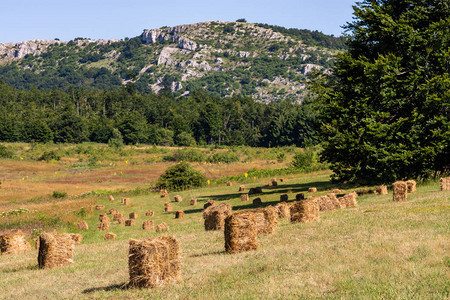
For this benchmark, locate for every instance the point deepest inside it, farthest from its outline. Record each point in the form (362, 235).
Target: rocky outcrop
(309, 67)
(21, 49)
(169, 34)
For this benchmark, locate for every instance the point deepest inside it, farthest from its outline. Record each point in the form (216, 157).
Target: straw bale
(300, 196)
(400, 191)
(283, 179)
(76, 237)
(102, 217)
(147, 225)
(284, 197)
(154, 262)
(117, 216)
(103, 225)
(121, 219)
(257, 202)
(241, 232)
(110, 198)
(312, 190)
(215, 216)
(273, 180)
(256, 190)
(334, 200)
(274, 183)
(445, 183)
(113, 211)
(229, 183)
(267, 183)
(164, 194)
(241, 188)
(266, 219)
(126, 201)
(55, 250)
(167, 207)
(83, 225)
(149, 213)
(99, 207)
(411, 186)
(305, 211)
(382, 190)
(162, 227)
(244, 197)
(193, 202)
(130, 222)
(338, 191)
(133, 215)
(325, 203)
(13, 242)
(178, 198)
(179, 214)
(110, 236)
(283, 210)
(348, 200)
(208, 204)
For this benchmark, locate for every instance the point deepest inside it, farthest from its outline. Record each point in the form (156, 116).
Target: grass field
(379, 250)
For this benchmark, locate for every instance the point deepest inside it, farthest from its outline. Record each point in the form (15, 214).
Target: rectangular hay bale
(13, 242)
(400, 191)
(55, 250)
(240, 232)
(445, 183)
(305, 211)
(215, 216)
(411, 184)
(147, 225)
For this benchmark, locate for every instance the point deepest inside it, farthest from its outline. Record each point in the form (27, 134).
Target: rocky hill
(267, 62)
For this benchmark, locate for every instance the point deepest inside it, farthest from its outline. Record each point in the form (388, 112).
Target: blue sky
(66, 20)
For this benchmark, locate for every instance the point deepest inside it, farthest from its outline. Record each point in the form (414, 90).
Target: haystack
(274, 183)
(241, 188)
(122, 219)
(241, 232)
(256, 190)
(208, 204)
(13, 242)
(162, 227)
(110, 198)
(163, 193)
(102, 217)
(348, 200)
(299, 196)
(338, 191)
(147, 225)
(76, 237)
(110, 236)
(117, 216)
(312, 190)
(113, 211)
(305, 211)
(99, 207)
(244, 197)
(55, 250)
(153, 262)
(178, 198)
(283, 210)
(411, 186)
(179, 214)
(149, 213)
(257, 202)
(126, 201)
(104, 222)
(334, 200)
(381, 190)
(167, 207)
(229, 183)
(284, 197)
(400, 191)
(329, 202)
(83, 225)
(215, 216)
(130, 222)
(133, 215)
(445, 183)
(193, 202)
(266, 219)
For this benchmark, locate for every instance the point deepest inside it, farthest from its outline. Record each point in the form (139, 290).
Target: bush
(57, 194)
(49, 155)
(304, 159)
(185, 139)
(5, 152)
(224, 157)
(193, 155)
(181, 177)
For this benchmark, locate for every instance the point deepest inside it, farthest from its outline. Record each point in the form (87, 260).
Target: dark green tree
(385, 107)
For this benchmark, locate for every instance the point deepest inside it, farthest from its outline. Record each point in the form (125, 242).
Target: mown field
(381, 249)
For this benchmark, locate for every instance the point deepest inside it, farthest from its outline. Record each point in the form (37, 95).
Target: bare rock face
(164, 56)
(21, 49)
(309, 67)
(172, 34)
(187, 44)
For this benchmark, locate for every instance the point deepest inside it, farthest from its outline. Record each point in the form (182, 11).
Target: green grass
(379, 250)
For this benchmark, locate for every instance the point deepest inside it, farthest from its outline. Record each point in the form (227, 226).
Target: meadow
(380, 249)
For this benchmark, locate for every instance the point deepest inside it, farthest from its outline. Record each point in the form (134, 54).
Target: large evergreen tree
(385, 107)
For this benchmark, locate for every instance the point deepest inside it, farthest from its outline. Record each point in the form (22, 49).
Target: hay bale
(312, 190)
(13, 242)
(338, 191)
(121, 220)
(83, 225)
(178, 198)
(411, 184)
(305, 211)
(266, 219)
(130, 222)
(110, 236)
(274, 183)
(110, 198)
(244, 197)
(283, 179)
(55, 250)
(179, 214)
(167, 207)
(147, 225)
(229, 183)
(267, 183)
(117, 217)
(241, 188)
(284, 197)
(400, 191)
(334, 200)
(299, 196)
(133, 215)
(153, 262)
(256, 190)
(126, 201)
(257, 202)
(215, 216)
(445, 183)
(325, 203)
(348, 200)
(240, 232)
(283, 210)
(76, 237)
(208, 204)
(163, 194)
(381, 190)
(113, 211)
(99, 207)
(162, 227)
(102, 217)
(193, 202)
(149, 213)
(104, 222)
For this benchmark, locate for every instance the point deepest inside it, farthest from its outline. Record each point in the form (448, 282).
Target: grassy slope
(381, 249)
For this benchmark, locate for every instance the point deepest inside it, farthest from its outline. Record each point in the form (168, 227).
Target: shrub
(181, 177)
(194, 155)
(5, 152)
(49, 155)
(185, 139)
(224, 157)
(116, 141)
(304, 159)
(57, 194)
